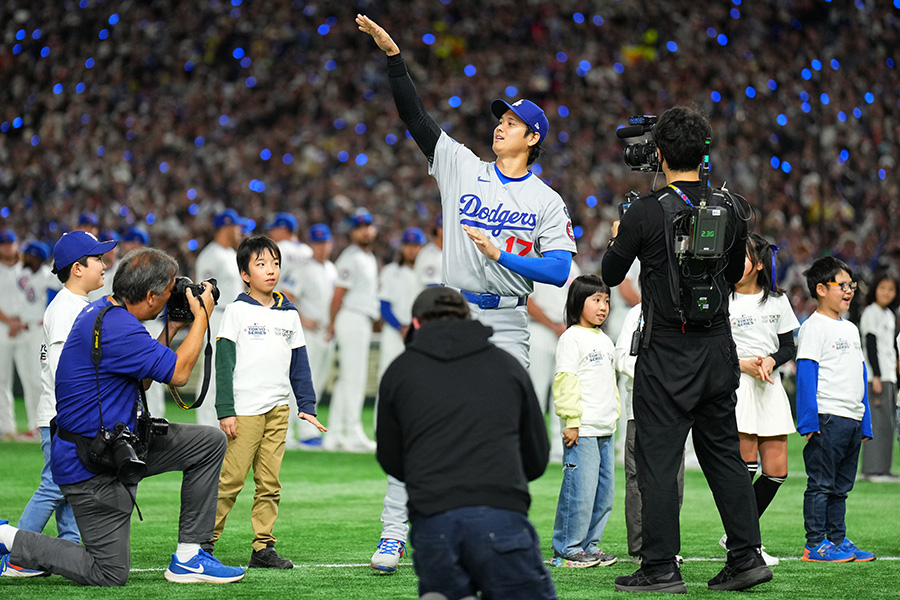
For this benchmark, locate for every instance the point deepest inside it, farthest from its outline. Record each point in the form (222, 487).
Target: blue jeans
(474, 549)
(831, 459)
(47, 500)
(586, 495)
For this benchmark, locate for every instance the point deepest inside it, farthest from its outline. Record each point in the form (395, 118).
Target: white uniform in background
(220, 263)
(293, 255)
(399, 286)
(358, 274)
(428, 265)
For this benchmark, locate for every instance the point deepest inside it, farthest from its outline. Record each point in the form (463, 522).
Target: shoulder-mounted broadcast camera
(641, 156)
(178, 307)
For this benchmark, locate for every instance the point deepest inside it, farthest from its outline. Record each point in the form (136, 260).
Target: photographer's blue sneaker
(3, 549)
(202, 568)
(858, 555)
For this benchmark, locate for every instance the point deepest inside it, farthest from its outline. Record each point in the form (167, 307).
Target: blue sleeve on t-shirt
(867, 415)
(807, 404)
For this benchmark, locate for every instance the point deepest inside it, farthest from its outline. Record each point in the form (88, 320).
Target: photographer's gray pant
(103, 507)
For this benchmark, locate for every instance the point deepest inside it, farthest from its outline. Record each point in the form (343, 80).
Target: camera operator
(91, 399)
(687, 368)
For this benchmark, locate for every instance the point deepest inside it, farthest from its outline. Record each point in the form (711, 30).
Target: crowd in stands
(162, 114)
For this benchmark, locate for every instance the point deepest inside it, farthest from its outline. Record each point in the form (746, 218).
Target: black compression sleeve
(424, 129)
(872, 352)
(787, 350)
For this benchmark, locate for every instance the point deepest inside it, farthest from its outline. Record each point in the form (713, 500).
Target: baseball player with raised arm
(504, 228)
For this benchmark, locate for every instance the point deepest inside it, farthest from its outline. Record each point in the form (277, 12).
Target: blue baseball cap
(414, 235)
(135, 234)
(227, 217)
(108, 235)
(360, 217)
(439, 222)
(283, 219)
(7, 236)
(76, 244)
(319, 233)
(530, 113)
(36, 248)
(88, 218)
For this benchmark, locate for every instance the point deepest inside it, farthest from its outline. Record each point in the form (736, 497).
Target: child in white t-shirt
(587, 401)
(261, 366)
(762, 325)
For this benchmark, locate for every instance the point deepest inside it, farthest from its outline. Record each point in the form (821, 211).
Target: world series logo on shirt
(255, 331)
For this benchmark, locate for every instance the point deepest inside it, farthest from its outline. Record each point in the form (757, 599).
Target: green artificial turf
(329, 525)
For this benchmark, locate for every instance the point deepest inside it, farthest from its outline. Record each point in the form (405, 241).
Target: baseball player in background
(354, 308)
(282, 230)
(428, 261)
(504, 228)
(218, 260)
(316, 280)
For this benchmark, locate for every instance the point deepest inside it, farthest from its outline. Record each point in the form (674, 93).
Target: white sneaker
(387, 557)
(723, 541)
(771, 561)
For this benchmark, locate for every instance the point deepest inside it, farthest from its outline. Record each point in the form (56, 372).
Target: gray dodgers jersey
(524, 217)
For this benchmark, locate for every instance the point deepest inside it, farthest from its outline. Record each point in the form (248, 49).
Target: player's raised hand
(381, 37)
(484, 245)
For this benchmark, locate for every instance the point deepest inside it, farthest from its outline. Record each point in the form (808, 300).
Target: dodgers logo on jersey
(494, 220)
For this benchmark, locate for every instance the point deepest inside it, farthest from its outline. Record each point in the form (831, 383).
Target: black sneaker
(742, 574)
(642, 581)
(267, 558)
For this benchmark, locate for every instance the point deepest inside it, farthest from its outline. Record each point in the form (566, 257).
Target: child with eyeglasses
(832, 411)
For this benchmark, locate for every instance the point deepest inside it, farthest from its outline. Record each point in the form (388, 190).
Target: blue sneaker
(202, 568)
(858, 555)
(825, 552)
(387, 556)
(3, 549)
(10, 570)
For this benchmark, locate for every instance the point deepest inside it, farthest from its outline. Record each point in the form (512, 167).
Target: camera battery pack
(708, 233)
(700, 301)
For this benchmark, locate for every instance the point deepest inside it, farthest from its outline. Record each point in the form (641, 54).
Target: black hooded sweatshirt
(459, 422)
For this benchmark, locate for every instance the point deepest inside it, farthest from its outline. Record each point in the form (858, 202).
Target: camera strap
(207, 366)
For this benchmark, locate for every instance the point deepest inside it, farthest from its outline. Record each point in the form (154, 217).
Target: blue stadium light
(816, 64)
(715, 96)
(127, 156)
(35, 140)
(775, 162)
(360, 128)
(150, 218)
(80, 87)
(856, 113)
(537, 169)
(45, 51)
(584, 65)
(578, 18)
(362, 159)
(870, 97)
(781, 119)
(36, 34)
(163, 167)
(844, 155)
(671, 46)
(796, 24)
(123, 212)
(390, 139)
(287, 158)
(343, 156)
(104, 33)
(83, 4)
(89, 63)
(711, 32)
(17, 122)
(890, 61)
(246, 62)
(510, 91)
(591, 201)
(454, 101)
(4, 126)
(58, 88)
(750, 91)
(339, 123)
(772, 84)
(53, 226)
(236, 2)
(407, 134)
(562, 56)
(618, 68)
(101, 150)
(199, 141)
(428, 39)
(896, 3)
(5, 212)
(881, 175)
(804, 95)
(265, 154)
(224, 120)
(192, 195)
(20, 35)
(563, 111)
(835, 64)
(470, 70)
(786, 167)
(806, 74)
(113, 19)
(824, 99)
(323, 29)
(805, 107)
(192, 245)
(578, 231)
(332, 20)
(842, 116)
(330, 65)
(17, 49)
(238, 53)
(563, 136)
(313, 78)
(189, 66)
(736, 2)
(722, 39)
(735, 13)
(369, 94)
(250, 82)
(598, 20)
(85, 119)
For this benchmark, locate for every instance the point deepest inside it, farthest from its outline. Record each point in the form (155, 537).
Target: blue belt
(487, 300)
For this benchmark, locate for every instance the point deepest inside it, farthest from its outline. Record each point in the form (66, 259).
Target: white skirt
(763, 408)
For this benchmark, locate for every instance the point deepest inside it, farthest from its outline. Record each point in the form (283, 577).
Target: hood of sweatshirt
(451, 340)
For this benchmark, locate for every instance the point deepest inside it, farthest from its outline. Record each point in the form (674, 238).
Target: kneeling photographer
(104, 442)
(691, 242)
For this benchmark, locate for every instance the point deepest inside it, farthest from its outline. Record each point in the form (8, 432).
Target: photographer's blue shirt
(129, 354)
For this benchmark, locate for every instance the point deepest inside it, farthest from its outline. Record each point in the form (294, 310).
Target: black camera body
(115, 448)
(641, 156)
(178, 308)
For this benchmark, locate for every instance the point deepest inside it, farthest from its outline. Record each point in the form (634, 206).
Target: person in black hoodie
(460, 424)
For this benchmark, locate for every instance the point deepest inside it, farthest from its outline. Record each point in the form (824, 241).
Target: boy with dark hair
(832, 411)
(261, 365)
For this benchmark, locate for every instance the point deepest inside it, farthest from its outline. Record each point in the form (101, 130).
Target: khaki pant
(260, 444)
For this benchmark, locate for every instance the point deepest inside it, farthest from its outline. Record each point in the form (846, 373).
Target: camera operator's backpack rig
(695, 235)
